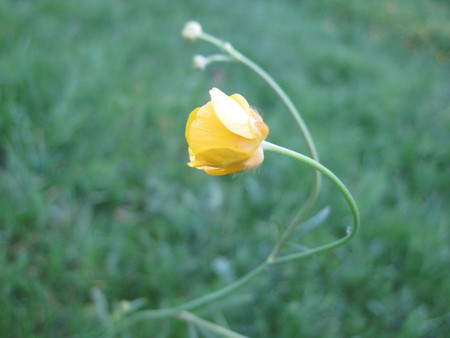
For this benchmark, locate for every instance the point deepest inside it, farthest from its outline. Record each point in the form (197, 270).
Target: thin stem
(228, 48)
(281, 94)
(220, 330)
(297, 219)
(212, 39)
(219, 58)
(190, 305)
(342, 188)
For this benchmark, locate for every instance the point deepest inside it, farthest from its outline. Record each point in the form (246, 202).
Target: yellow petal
(191, 118)
(223, 171)
(259, 128)
(191, 154)
(204, 130)
(220, 157)
(243, 103)
(230, 113)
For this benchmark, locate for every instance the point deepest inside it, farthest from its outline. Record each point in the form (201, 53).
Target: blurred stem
(219, 58)
(220, 330)
(195, 303)
(229, 49)
(343, 190)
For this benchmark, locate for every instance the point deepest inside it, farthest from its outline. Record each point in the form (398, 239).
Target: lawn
(99, 211)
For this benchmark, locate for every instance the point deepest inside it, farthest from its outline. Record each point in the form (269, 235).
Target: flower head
(191, 31)
(225, 135)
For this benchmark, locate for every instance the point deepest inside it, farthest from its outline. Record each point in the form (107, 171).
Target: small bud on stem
(191, 31)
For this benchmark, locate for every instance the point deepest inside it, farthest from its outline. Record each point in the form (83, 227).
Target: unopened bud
(191, 31)
(200, 62)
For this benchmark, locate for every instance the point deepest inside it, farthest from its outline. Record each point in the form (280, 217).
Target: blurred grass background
(95, 193)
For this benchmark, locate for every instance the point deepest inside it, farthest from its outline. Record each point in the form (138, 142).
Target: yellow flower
(225, 135)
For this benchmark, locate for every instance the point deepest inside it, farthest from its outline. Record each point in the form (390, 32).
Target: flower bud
(225, 135)
(191, 31)
(200, 62)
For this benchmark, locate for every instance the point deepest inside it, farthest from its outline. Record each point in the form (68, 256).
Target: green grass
(95, 193)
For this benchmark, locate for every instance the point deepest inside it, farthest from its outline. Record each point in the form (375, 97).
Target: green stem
(220, 330)
(219, 58)
(281, 94)
(181, 309)
(213, 40)
(298, 218)
(342, 188)
(228, 48)
(193, 304)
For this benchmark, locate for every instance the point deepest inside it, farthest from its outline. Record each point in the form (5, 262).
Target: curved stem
(281, 94)
(190, 305)
(297, 219)
(195, 303)
(342, 188)
(228, 48)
